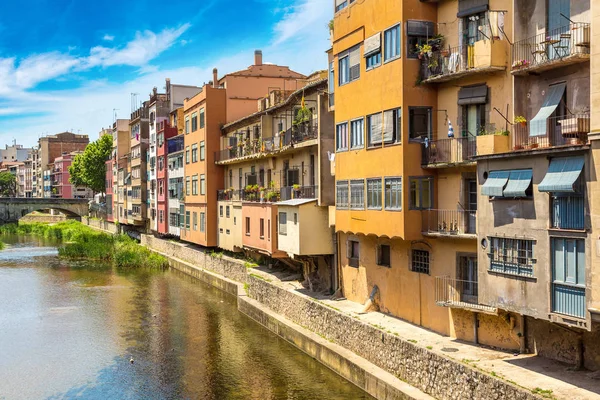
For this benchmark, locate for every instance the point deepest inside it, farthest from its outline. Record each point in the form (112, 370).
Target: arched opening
(46, 215)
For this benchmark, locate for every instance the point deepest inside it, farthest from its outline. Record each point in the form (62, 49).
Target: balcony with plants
(570, 129)
(455, 223)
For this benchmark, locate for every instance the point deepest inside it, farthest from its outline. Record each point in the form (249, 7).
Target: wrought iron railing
(451, 292)
(448, 61)
(229, 194)
(449, 151)
(557, 44)
(560, 131)
(449, 222)
(302, 192)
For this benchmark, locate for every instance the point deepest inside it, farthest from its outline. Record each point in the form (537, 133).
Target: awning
(537, 126)
(562, 174)
(420, 28)
(372, 45)
(472, 95)
(518, 183)
(494, 185)
(470, 7)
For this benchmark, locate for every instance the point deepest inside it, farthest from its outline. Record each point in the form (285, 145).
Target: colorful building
(224, 100)
(59, 183)
(136, 178)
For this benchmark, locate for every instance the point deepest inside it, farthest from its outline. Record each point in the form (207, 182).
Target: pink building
(109, 189)
(59, 179)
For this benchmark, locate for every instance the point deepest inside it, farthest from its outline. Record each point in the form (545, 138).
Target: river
(69, 329)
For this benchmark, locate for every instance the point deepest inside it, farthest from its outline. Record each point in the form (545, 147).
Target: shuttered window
(357, 134)
(372, 50)
(341, 136)
(374, 129)
(349, 65)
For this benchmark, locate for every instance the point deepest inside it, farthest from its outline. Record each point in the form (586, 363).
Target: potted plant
(519, 119)
(424, 50)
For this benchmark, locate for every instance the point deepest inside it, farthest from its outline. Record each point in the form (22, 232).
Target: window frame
(356, 183)
(368, 118)
(194, 152)
(202, 221)
(411, 110)
(202, 122)
(282, 225)
(339, 185)
(502, 254)
(202, 151)
(397, 27)
(337, 148)
(362, 136)
(202, 184)
(399, 195)
(194, 119)
(370, 194)
(379, 257)
(369, 59)
(247, 230)
(423, 265)
(352, 256)
(397, 124)
(419, 190)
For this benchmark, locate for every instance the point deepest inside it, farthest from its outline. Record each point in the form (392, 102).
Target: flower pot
(445, 53)
(518, 147)
(523, 124)
(420, 56)
(534, 145)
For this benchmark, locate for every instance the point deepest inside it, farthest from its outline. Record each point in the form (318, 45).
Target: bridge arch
(13, 209)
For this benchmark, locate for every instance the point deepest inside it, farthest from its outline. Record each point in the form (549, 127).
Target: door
(467, 275)
(558, 33)
(471, 206)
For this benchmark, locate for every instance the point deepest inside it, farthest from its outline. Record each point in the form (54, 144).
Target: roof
(295, 202)
(290, 98)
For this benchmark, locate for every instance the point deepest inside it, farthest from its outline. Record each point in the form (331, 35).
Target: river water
(70, 329)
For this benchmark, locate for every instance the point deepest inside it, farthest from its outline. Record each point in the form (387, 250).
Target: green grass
(2, 245)
(82, 242)
(544, 393)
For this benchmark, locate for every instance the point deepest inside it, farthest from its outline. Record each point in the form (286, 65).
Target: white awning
(537, 126)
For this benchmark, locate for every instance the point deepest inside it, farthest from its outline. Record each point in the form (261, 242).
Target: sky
(65, 65)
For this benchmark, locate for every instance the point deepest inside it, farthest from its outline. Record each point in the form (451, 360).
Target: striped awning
(562, 174)
(495, 183)
(519, 181)
(537, 126)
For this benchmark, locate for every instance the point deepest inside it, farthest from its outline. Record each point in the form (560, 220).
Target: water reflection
(69, 329)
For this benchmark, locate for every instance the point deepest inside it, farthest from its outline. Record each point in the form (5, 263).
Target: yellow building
(415, 83)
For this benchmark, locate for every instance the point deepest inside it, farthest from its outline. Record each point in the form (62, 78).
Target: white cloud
(108, 38)
(42, 67)
(300, 19)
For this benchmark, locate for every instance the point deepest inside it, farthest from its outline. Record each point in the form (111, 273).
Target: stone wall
(228, 267)
(441, 377)
(100, 224)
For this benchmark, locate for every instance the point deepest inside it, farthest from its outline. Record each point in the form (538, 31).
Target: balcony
(569, 44)
(248, 148)
(571, 130)
(455, 223)
(298, 192)
(451, 63)
(229, 195)
(455, 293)
(448, 152)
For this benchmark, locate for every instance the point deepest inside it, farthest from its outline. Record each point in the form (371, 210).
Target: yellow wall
(230, 228)
(311, 234)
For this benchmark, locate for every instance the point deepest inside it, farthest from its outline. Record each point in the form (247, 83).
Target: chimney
(258, 57)
(215, 78)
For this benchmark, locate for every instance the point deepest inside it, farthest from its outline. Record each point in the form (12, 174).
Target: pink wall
(256, 212)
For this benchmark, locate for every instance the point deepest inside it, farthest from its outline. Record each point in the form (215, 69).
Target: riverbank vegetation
(82, 242)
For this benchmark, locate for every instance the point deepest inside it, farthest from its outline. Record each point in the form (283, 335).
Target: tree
(8, 184)
(89, 168)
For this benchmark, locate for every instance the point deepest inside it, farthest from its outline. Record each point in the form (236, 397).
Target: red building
(109, 189)
(163, 133)
(59, 179)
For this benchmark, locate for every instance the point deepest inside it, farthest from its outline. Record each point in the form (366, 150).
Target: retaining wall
(101, 224)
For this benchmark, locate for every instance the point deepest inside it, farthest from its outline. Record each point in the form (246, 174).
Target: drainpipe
(334, 270)
(523, 346)
(475, 333)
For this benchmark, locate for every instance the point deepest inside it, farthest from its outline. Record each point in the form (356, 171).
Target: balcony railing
(223, 195)
(302, 192)
(264, 196)
(453, 62)
(569, 300)
(449, 151)
(248, 147)
(568, 212)
(567, 43)
(451, 292)
(560, 131)
(449, 222)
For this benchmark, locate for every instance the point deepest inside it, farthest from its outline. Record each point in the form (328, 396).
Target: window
(295, 218)
(341, 137)
(374, 194)
(420, 261)
(173, 219)
(331, 86)
(340, 5)
(341, 196)
(202, 222)
(357, 194)
(372, 51)
(511, 256)
(187, 186)
(187, 154)
(220, 211)
(187, 125)
(393, 193)
(161, 186)
(568, 276)
(374, 129)
(357, 134)
(182, 216)
(262, 228)
(373, 60)
(227, 231)
(349, 65)
(194, 122)
(195, 153)
(353, 253)
(203, 155)
(187, 220)
(202, 118)
(392, 126)
(202, 184)
(421, 193)
(282, 223)
(568, 209)
(161, 163)
(194, 185)
(195, 221)
(384, 255)
(391, 43)
(417, 34)
(419, 122)
(247, 226)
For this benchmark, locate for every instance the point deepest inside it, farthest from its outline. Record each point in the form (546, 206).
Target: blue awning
(537, 126)
(494, 184)
(518, 183)
(562, 174)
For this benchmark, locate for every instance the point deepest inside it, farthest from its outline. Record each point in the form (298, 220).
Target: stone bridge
(13, 208)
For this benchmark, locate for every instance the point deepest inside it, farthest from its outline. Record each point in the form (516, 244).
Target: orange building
(221, 101)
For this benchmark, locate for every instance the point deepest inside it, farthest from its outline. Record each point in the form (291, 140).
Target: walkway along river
(71, 329)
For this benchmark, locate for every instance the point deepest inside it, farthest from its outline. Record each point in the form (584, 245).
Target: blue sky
(66, 64)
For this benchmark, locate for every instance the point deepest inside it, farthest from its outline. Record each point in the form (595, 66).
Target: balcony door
(467, 278)
(558, 33)
(471, 205)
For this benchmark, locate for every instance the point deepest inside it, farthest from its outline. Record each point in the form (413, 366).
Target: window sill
(357, 209)
(515, 276)
(384, 265)
(374, 208)
(341, 208)
(392, 144)
(398, 57)
(341, 150)
(393, 209)
(581, 231)
(373, 67)
(357, 148)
